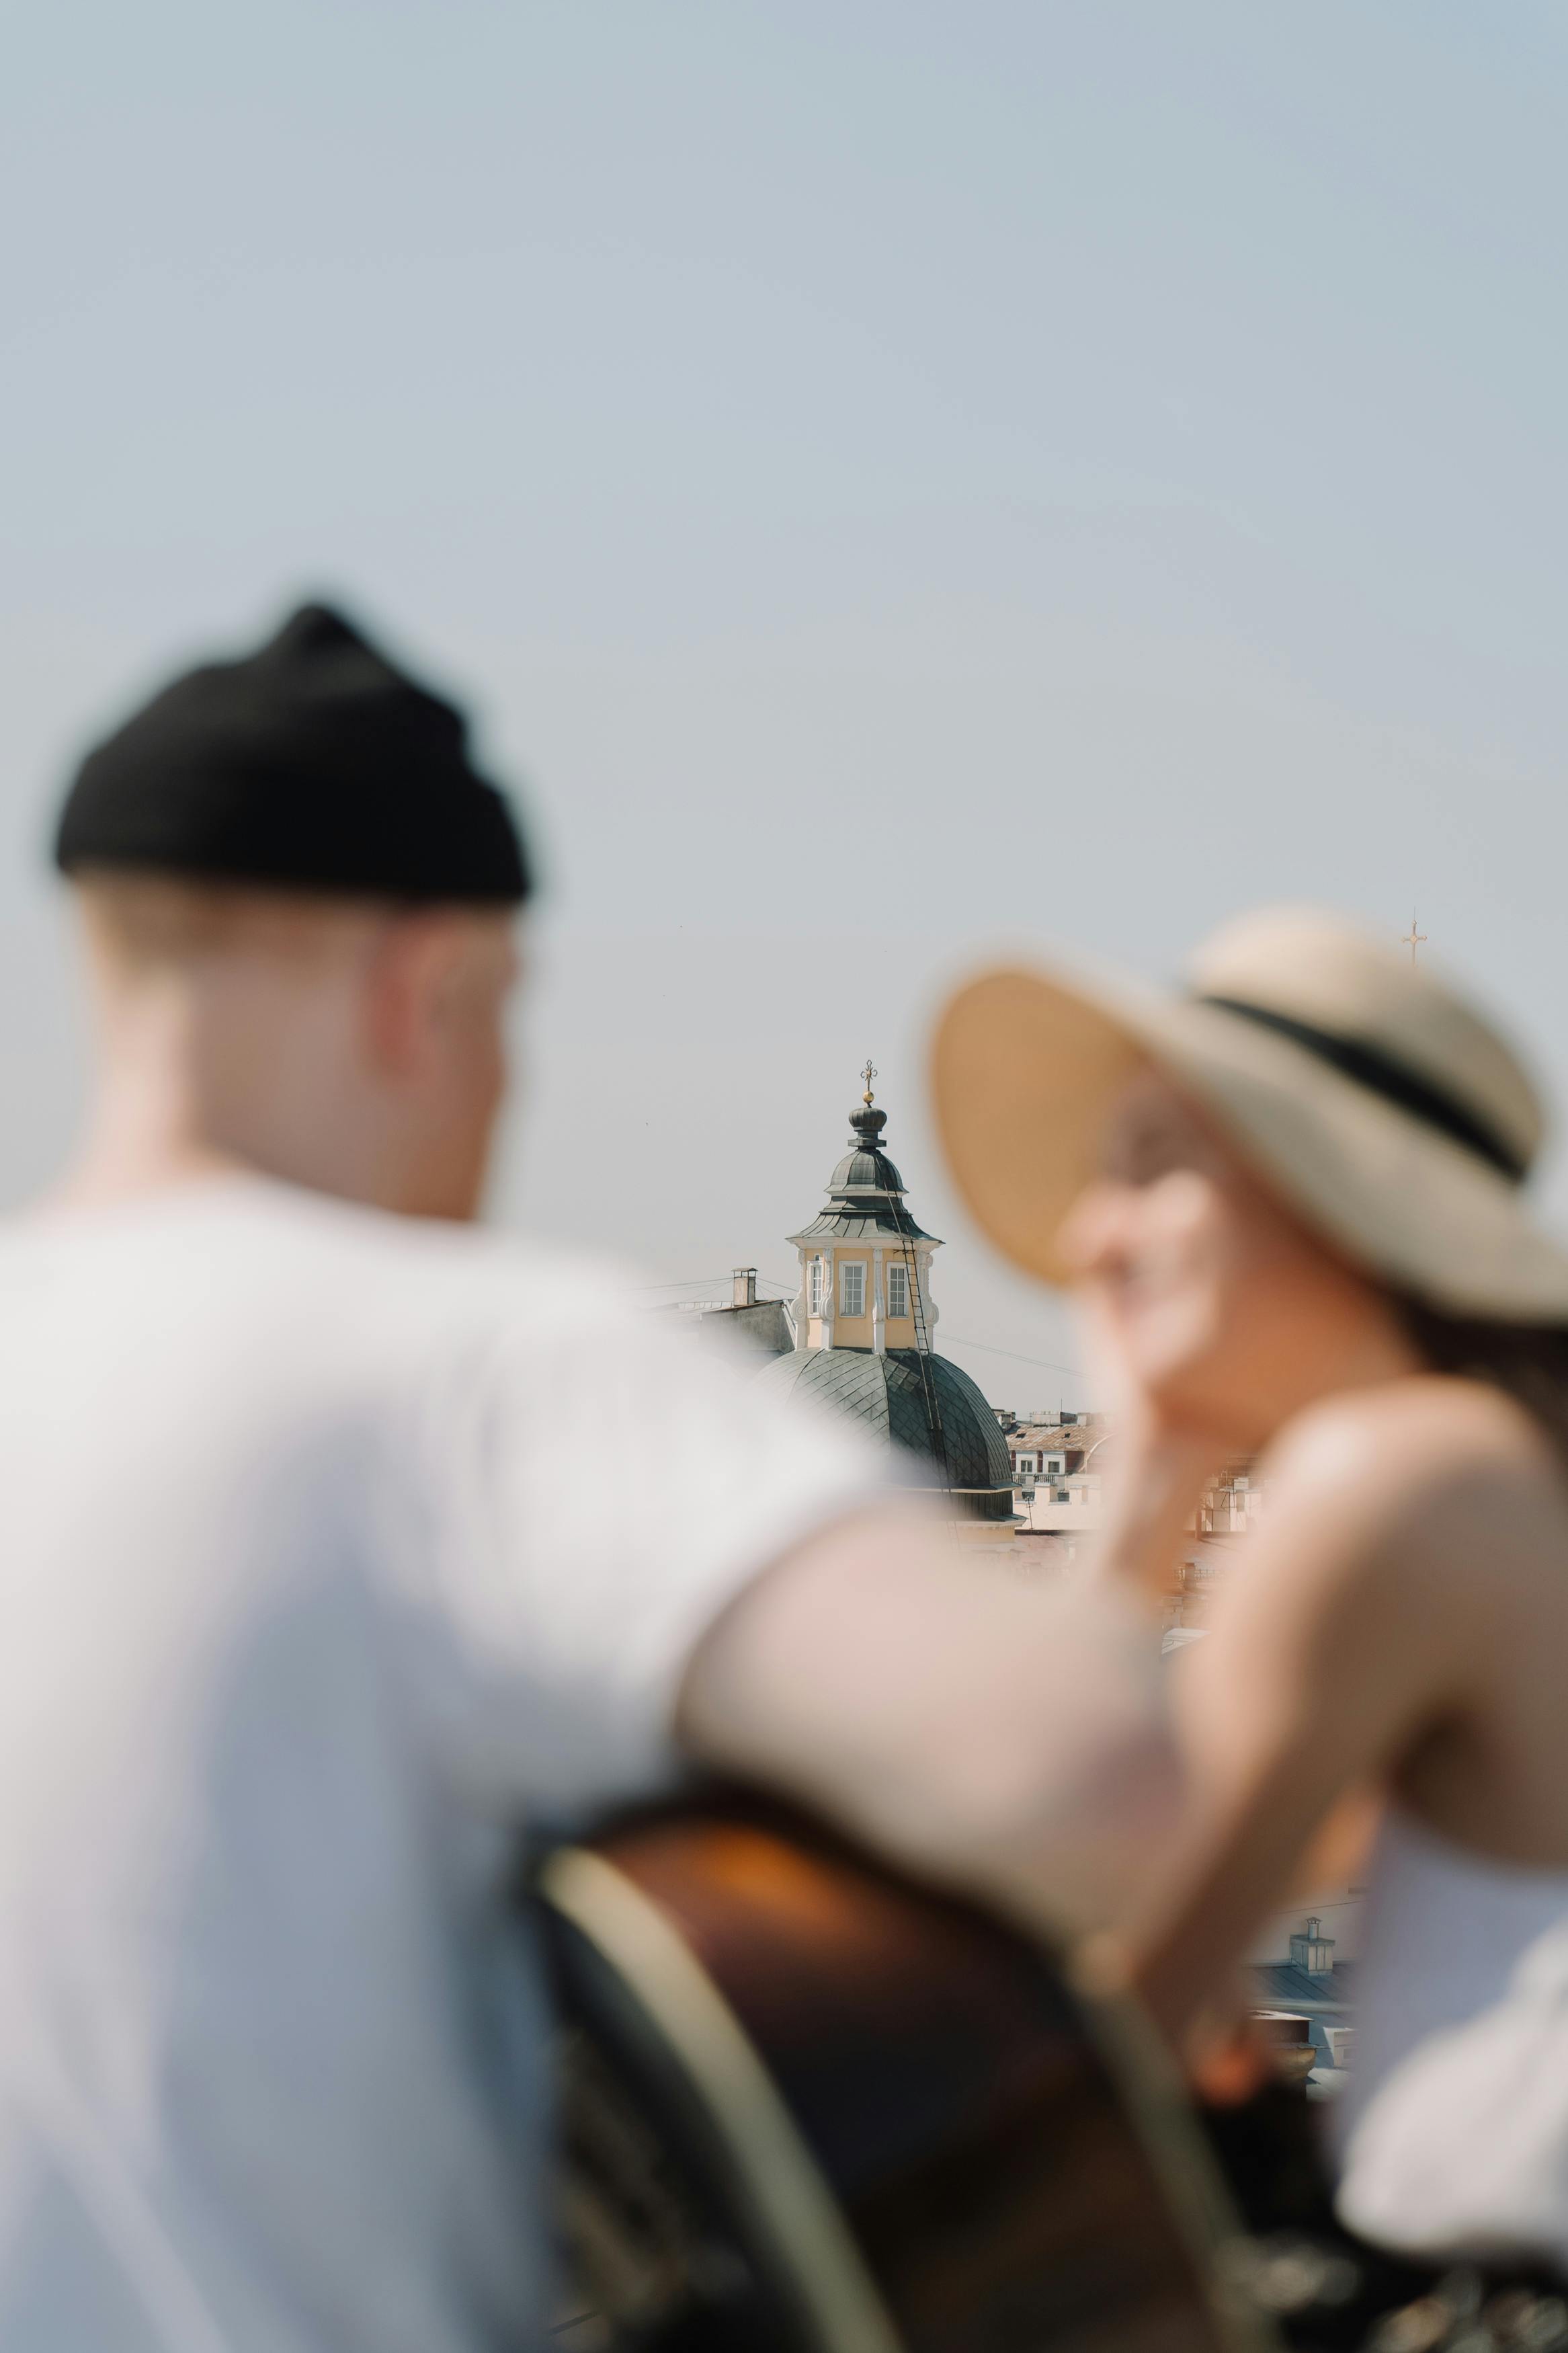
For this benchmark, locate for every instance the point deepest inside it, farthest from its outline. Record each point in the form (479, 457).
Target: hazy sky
(893, 478)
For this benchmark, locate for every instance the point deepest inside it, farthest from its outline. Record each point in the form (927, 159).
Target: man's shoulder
(428, 1272)
(254, 1255)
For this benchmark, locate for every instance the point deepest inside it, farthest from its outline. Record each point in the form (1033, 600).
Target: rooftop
(865, 1192)
(1284, 1985)
(923, 1404)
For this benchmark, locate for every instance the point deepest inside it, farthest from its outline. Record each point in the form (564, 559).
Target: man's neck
(142, 1137)
(166, 1110)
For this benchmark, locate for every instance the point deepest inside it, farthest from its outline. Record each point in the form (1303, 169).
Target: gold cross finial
(868, 1073)
(1413, 939)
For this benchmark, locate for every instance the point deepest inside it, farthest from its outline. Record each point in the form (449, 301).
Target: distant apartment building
(1055, 1481)
(1059, 1460)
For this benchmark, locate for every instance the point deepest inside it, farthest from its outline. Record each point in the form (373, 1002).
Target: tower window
(852, 1287)
(818, 1286)
(898, 1291)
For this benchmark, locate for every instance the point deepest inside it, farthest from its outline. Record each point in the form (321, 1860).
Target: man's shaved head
(145, 923)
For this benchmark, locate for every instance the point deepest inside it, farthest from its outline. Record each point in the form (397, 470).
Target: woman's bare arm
(1354, 1625)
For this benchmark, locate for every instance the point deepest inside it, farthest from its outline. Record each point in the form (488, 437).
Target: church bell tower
(864, 1347)
(865, 1264)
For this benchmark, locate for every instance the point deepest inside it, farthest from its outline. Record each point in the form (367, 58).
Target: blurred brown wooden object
(809, 2107)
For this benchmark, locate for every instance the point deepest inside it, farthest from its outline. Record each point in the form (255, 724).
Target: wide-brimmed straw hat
(1370, 1097)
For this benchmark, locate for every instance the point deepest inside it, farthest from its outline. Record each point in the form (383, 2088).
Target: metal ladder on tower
(922, 1354)
(903, 1221)
(904, 1225)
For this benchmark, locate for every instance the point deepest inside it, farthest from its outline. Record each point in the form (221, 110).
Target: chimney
(1312, 1951)
(743, 1291)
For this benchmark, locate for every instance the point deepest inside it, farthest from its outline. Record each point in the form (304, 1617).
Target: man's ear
(414, 969)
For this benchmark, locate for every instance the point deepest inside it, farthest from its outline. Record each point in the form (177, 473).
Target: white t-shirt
(333, 1550)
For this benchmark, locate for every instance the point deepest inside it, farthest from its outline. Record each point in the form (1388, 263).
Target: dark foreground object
(810, 2108)
(1330, 2292)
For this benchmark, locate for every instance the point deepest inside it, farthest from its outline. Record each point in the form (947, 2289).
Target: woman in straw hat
(1289, 1202)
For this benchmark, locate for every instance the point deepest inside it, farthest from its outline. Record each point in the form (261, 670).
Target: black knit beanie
(314, 765)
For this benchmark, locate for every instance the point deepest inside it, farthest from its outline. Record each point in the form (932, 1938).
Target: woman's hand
(1158, 1468)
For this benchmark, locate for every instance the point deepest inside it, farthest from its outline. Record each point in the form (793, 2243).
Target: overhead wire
(989, 1348)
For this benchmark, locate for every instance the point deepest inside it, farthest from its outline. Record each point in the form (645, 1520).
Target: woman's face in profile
(1209, 1295)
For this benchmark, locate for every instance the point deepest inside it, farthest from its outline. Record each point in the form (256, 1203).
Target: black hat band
(1384, 1075)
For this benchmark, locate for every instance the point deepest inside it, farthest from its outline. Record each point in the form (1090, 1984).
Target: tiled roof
(1282, 1986)
(763, 1324)
(874, 1222)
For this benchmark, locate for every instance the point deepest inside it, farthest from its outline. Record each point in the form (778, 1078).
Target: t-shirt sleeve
(590, 1505)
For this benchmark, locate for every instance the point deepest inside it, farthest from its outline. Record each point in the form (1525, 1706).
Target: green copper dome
(922, 1404)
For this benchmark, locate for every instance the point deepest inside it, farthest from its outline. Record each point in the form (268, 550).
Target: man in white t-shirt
(317, 1583)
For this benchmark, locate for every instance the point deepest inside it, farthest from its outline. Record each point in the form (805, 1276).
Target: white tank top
(1453, 2130)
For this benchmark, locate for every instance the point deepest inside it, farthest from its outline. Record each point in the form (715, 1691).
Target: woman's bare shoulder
(1417, 1460)
(1409, 1428)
